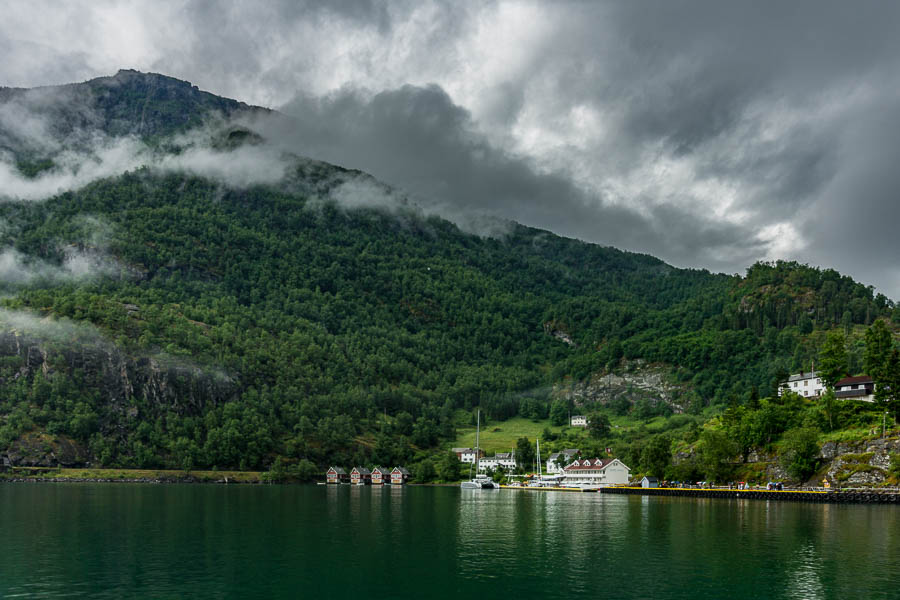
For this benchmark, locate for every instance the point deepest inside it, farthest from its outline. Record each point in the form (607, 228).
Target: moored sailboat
(479, 482)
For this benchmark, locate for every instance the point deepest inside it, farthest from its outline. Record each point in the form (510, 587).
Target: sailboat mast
(477, 432)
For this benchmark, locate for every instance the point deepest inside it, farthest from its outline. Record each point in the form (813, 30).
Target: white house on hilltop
(806, 384)
(578, 421)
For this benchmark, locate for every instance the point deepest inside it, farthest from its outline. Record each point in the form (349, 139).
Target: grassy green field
(501, 436)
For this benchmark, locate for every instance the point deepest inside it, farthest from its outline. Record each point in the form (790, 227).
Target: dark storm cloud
(419, 140)
(709, 133)
(854, 226)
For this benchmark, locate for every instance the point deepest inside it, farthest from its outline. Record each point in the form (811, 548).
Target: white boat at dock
(480, 481)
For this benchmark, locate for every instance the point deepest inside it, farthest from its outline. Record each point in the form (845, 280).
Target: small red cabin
(336, 475)
(381, 476)
(399, 476)
(360, 476)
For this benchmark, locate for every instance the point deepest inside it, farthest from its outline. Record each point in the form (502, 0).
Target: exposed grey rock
(828, 451)
(638, 379)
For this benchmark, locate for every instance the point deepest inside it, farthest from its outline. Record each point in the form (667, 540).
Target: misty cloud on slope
(51, 329)
(694, 123)
(19, 269)
(86, 257)
(418, 140)
(81, 155)
(81, 335)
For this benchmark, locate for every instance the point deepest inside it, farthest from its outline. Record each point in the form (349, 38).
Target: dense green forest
(163, 319)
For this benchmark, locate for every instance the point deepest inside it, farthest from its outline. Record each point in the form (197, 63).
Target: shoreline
(858, 496)
(161, 476)
(174, 477)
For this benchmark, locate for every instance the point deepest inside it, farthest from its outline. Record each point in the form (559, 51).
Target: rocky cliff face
(132, 389)
(36, 449)
(859, 463)
(844, 464)
(636, 380)
(160, 381)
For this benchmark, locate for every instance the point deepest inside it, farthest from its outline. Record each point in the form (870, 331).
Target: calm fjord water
(197, 541)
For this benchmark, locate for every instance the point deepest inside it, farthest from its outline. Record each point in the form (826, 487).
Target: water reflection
(804, 580)
(290, 541)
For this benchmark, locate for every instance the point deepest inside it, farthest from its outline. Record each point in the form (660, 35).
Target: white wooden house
(649, 482)
(552, 465)
(809, 384)
(504, 460)
(578, 421)
(596, 473)
(466, 455)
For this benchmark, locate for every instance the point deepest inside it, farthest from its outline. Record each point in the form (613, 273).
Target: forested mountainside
(165, 318)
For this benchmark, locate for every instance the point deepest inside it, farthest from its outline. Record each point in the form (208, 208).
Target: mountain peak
(130, 102)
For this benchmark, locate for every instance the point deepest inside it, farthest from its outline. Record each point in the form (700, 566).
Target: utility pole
(883, 423)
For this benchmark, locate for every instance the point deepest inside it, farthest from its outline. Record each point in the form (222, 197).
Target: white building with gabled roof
(552, 465)
(809, 385)
(467, 455)
(505, 460)
(596, 473)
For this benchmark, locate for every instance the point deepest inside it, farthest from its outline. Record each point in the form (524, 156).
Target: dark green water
(193, 541)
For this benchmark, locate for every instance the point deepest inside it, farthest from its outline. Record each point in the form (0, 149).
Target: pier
(821, 496)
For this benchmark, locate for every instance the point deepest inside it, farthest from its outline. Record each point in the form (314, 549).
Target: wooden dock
(544, 489)
(836, 496)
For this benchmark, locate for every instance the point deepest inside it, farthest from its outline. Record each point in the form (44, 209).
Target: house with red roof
(399, 476)
(596, 473)
(381, 476)
(360, 476)
(336, 475)
(861, 387)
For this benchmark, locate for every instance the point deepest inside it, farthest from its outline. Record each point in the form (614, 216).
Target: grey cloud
(78, 265)
(49, 329)
(713, 121)
(854, 225)
(85, 256)
(418, 140)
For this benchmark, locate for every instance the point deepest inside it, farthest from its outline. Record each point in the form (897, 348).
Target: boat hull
(479, 484)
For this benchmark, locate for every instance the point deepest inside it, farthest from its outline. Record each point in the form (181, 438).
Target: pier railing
(856, 495)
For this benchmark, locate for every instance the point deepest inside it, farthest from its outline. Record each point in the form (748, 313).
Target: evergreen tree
(449, 467)
(525, 453)
(656, 456)
(833, 358)
(598, 426)
(878, 349)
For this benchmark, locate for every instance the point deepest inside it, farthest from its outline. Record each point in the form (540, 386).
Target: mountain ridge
(336, 320)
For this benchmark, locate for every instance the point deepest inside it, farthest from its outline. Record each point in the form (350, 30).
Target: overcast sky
(711, 134)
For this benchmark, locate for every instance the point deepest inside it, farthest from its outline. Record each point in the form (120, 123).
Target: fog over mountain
(710, 135)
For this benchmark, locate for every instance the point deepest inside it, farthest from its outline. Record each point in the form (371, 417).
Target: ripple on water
(341, 542)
